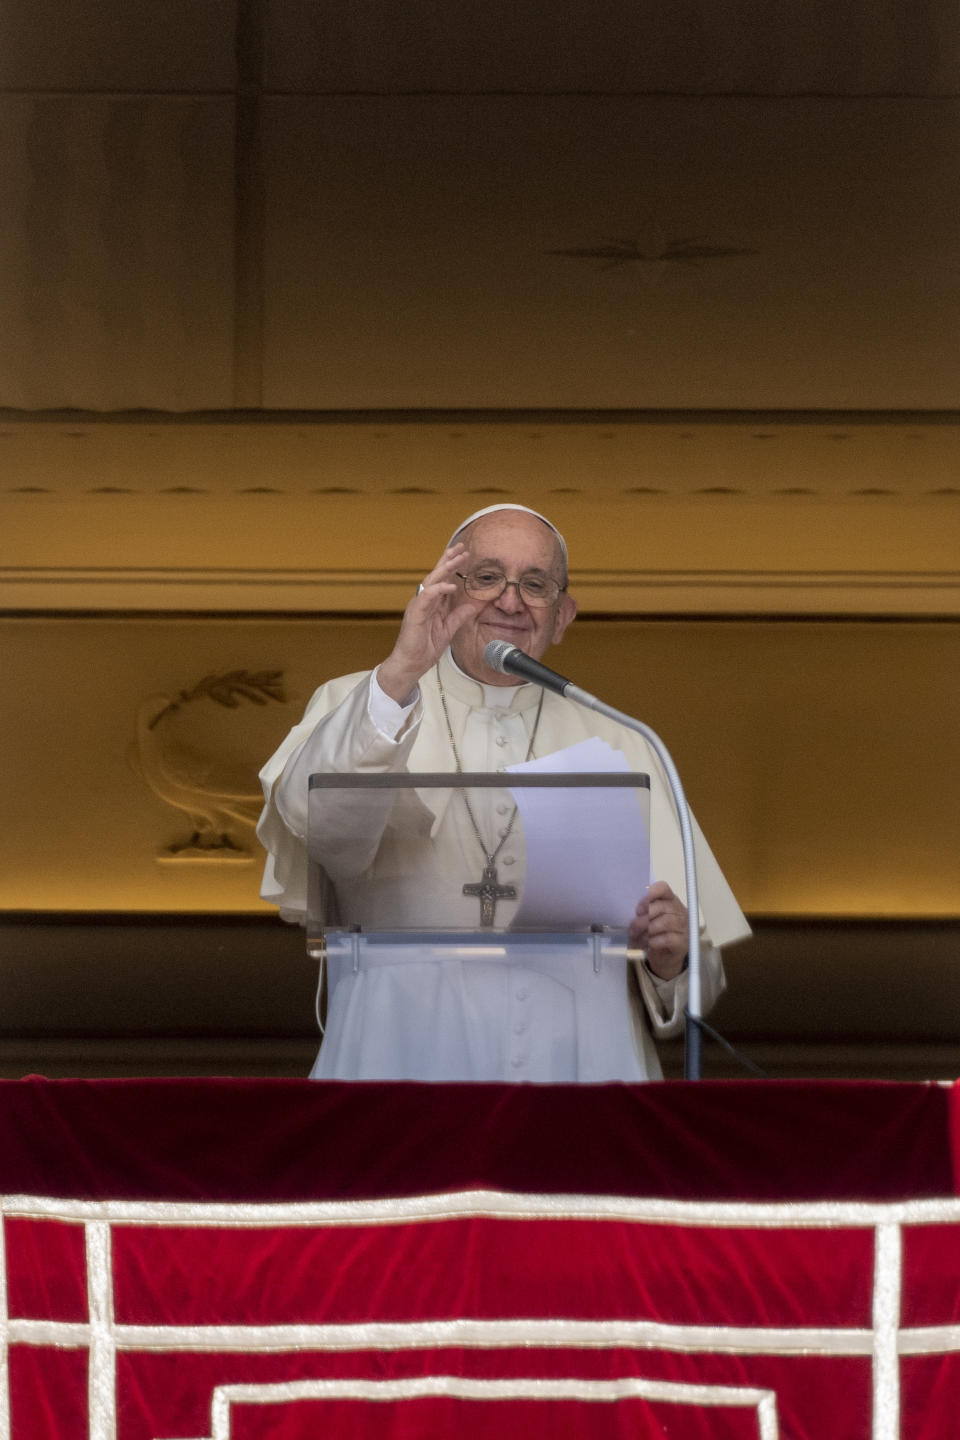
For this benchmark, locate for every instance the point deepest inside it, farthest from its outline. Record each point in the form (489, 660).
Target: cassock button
(501, 740)
(522, 992)
(516, 1062)
(508, 859)
(502, 810)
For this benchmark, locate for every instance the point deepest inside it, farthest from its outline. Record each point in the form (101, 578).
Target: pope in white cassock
(433, 705)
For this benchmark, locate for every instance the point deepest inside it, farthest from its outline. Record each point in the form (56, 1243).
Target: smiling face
(518, 544)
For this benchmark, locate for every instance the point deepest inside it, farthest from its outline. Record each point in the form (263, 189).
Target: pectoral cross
(489, 890)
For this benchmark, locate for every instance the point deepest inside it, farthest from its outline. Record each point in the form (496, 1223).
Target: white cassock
(549, 1017)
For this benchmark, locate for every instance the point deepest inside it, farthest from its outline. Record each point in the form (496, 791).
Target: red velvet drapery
(243, 1260)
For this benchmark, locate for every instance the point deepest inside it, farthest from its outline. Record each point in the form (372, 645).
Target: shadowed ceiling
(700, 254)
(714, 204)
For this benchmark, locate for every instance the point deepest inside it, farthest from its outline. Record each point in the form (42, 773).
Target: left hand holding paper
(659, 927)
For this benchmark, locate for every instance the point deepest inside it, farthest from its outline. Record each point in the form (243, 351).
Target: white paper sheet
(587, 850)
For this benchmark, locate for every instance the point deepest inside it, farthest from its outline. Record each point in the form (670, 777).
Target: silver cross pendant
(489, 890)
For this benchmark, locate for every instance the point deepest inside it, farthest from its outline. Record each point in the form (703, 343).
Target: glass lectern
(524, 882)
(434, 860)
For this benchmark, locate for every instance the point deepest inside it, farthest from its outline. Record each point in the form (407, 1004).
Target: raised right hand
(430, 622)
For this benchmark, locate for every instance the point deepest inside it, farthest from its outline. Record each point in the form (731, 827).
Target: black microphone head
(495, 653)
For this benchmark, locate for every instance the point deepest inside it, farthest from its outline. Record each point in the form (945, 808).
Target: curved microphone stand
(506, 658)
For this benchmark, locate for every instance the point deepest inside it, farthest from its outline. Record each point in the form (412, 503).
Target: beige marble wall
(820, 756)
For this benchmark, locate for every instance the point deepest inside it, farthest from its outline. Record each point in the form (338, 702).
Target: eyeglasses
(535, 590)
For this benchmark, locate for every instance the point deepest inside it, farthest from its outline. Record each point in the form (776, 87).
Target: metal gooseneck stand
(506, 658)
(692, 1055)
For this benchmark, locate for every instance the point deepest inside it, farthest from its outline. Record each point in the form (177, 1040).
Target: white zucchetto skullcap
(524, 510)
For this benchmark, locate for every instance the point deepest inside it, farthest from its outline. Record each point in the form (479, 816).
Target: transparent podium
(474, 926)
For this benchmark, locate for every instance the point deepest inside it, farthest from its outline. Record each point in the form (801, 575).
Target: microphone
(500, 655)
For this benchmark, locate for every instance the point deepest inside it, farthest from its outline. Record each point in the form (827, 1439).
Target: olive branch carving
(229, 689)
